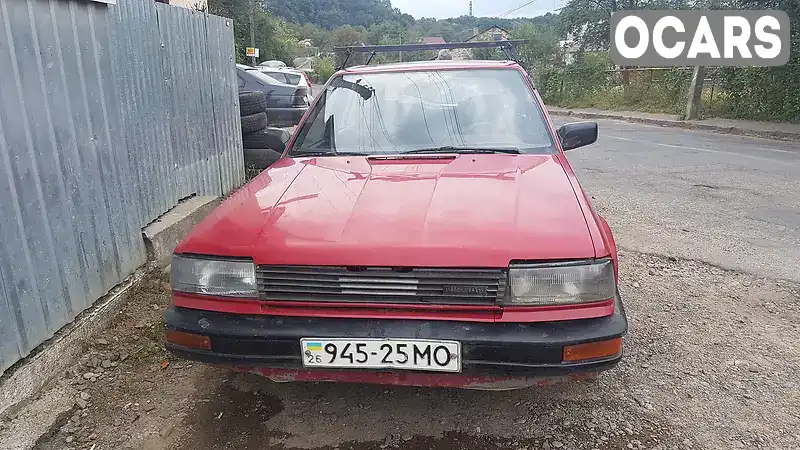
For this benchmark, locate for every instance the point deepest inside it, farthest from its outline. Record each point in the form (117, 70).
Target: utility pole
(696, 86)
(695, 93)
(252, 39)
(252, 30)
(470, 8)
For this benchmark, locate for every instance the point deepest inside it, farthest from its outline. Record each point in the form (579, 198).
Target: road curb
(769, 134)
(22, 385)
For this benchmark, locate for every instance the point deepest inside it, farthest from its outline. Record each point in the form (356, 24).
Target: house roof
(487, 29)
(433, 40)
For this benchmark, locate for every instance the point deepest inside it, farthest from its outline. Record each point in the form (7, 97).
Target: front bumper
(271, 345)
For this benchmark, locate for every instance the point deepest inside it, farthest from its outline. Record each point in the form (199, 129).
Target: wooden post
(695, 93)
(252, 40)
(626, 78)
(252, 30)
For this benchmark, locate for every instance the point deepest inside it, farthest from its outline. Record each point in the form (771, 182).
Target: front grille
(382, 285)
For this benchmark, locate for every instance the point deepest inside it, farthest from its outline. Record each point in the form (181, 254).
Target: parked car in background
(286, 103)
(290, 76)
(275, 64)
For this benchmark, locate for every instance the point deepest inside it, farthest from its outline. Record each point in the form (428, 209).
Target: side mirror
(577, 134)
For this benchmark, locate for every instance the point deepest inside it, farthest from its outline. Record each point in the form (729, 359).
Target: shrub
(323, 70)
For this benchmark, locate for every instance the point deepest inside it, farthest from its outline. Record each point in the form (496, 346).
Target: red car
(423, 227)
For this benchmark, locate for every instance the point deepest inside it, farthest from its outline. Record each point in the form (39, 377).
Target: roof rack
(507, 46)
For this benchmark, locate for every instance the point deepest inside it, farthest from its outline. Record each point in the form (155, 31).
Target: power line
(516, 9)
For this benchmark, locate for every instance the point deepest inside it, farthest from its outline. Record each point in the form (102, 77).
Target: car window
(395, 112)
(292, 78)
(264, 78)
(277, 76)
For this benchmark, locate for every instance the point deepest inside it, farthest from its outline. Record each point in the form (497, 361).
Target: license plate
(408, 354)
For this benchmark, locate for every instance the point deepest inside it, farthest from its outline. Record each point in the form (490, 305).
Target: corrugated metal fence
(109, 115)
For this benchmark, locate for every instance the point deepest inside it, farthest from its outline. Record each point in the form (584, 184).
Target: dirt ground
(711, 362)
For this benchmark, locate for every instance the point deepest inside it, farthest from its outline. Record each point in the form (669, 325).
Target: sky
(442, 9)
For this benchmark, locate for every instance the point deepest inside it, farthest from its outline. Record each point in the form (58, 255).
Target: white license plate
(409, 354)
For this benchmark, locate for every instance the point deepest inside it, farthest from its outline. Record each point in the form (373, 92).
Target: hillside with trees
(330, 14)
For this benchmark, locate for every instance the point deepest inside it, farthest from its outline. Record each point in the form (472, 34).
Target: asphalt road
(728, 200)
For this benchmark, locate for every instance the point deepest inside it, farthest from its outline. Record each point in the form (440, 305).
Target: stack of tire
(263, 145)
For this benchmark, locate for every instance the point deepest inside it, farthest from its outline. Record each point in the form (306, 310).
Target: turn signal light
(592, 350)
(189, 340)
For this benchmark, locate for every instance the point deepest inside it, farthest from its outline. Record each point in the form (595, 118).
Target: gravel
(166, 431)
(686, 381)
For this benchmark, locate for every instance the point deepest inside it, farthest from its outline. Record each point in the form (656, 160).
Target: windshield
(399, 112)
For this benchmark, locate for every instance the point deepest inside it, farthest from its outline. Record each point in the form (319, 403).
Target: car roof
(431, 65)
(279, 69)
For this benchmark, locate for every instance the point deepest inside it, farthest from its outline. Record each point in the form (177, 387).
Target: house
(589, 45)
(493, 33)
(433, 40)
(200, 5)
(568, 49)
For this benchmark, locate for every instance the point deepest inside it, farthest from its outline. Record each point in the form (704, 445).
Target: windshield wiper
(452, 149)
(326, 153)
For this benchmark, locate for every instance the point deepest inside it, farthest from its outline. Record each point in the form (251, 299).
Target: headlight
(562, 283)
(226, 278)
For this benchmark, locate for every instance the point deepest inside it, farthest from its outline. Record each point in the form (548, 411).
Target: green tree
(331, 14)
(540, 49)
(323, 70)
(274, 38)
(348, 36)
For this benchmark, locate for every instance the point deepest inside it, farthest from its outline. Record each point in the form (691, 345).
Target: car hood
(480, 210)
